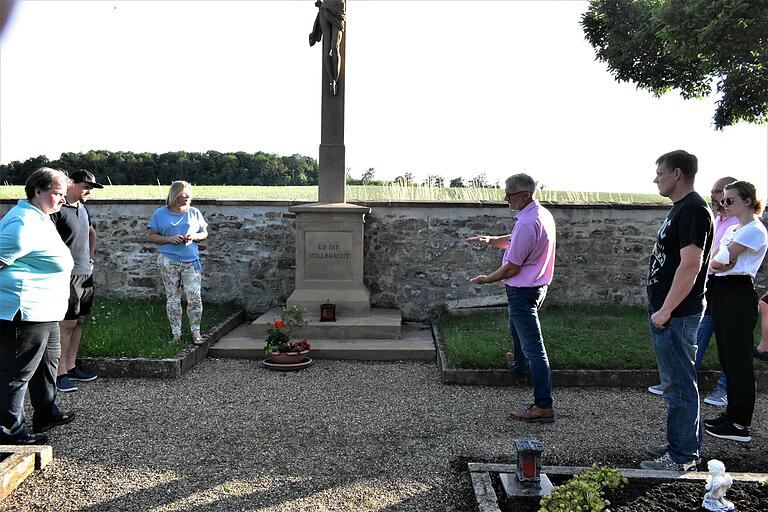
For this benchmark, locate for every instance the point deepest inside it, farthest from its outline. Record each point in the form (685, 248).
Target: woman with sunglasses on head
(733, 303)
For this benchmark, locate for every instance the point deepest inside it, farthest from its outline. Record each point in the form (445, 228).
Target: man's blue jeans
(530, 354)
(675, 348)
(703, 337)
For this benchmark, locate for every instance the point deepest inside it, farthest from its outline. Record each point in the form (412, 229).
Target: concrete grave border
(22, 462)
(168, 368)
(561, 378)
(487, 501)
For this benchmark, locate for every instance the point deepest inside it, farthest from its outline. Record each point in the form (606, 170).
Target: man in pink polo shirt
(526, 270)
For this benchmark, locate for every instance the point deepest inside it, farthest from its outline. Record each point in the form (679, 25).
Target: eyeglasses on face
(728, 201)
(508, 195)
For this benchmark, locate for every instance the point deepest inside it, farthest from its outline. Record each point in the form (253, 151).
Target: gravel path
(341, 435)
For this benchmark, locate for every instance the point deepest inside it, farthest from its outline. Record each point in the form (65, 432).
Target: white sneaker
(658, 389)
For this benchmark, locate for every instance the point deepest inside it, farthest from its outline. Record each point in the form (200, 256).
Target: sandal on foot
(197, 339)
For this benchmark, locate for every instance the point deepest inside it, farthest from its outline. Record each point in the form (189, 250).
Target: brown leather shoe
(535, 414)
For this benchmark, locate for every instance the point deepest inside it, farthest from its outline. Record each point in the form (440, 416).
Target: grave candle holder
(327, 312)
(527, 480)
(528, 460)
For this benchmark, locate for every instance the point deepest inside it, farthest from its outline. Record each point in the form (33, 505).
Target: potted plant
(282, 347)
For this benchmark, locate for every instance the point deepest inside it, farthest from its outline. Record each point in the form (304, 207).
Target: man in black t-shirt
(73, 222)
(676, 275)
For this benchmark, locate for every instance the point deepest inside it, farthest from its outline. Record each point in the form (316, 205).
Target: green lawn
(578, 337)
(139, 328)
(356, 192)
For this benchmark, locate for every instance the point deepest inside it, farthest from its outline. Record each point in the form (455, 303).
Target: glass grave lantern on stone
(327, 312)
(528, 480)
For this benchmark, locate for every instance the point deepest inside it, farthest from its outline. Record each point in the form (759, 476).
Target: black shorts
(80, 296)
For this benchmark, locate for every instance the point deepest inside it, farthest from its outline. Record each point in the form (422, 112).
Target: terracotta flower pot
(287, 357)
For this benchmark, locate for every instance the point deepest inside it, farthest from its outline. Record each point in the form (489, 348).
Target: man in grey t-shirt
(73, 223)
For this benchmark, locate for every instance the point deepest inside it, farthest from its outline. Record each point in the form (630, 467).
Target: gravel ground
(342, 435)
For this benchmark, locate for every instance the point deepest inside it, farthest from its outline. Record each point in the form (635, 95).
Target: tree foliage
(405, 180)
(688, 45)
(434, 181)
(209, 168)
(482, 181)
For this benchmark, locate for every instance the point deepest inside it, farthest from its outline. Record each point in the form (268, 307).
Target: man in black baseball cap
(73, 222)
(83, 176)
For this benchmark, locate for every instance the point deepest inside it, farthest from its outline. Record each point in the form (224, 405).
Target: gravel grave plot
(341, 435)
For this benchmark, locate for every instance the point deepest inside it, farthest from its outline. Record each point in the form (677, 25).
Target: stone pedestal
(329, 259)
(514, 487)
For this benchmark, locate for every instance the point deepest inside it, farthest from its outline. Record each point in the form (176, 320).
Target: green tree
(404, 180)
(457, 183)
(480, 181)
(368, 175)
(209, 168)
(688, 45)
(434, 180)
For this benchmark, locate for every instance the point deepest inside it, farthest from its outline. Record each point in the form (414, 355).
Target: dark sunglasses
(728, 201)
(516, 193)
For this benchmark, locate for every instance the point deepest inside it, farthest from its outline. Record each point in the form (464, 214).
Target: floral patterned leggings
(174, 275)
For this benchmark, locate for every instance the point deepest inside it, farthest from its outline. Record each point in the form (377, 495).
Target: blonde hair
(44, 179)
(177, 187)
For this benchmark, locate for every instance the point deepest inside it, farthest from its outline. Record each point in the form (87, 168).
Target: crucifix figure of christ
(329, 27)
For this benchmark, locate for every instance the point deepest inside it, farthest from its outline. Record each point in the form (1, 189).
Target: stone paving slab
(415, 344)
(380, 324)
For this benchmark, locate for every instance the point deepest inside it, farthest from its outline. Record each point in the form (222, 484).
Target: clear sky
(453, 88)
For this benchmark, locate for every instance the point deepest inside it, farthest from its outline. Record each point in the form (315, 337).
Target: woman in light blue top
(34, 290)
(176, 228)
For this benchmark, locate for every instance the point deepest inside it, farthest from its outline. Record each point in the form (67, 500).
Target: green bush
(584, 492)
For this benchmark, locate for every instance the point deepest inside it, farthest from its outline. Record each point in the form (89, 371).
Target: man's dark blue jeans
(29, 357)
(530, 354)
(675, 347)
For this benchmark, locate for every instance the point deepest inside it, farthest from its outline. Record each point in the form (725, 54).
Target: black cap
(83, 176)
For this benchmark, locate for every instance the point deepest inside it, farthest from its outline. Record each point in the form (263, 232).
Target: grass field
(577, 337)
(354, 192)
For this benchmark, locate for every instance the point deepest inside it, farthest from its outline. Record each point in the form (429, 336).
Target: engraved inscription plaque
(328, 255)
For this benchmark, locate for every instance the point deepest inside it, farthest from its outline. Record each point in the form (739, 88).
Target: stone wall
(416, 256)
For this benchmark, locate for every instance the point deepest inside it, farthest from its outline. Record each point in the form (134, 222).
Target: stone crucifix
(329, 233)
(330, 28)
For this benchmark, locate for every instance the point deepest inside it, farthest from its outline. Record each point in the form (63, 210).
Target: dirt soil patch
(650, 495)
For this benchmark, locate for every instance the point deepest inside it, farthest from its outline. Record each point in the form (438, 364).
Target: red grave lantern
(327, 312)
(528, 460)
